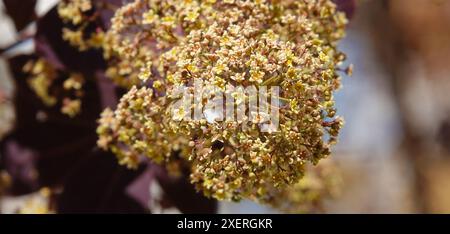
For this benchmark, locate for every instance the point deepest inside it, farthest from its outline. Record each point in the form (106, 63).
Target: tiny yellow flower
(192, 16)
(169, 21)
(256, 76)
(149, 17)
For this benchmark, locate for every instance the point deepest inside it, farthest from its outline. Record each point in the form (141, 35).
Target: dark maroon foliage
(50, 45)
(98, 184)
(22, 12)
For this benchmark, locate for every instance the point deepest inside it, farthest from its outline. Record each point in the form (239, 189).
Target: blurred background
(394, 151)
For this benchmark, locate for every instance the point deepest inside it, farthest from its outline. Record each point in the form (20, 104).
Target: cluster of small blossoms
(143, 30)
(289, 44)
(42, 80)
(74, 10)
(81, 31)
(320, 183)
(128, 64)
(136, 128)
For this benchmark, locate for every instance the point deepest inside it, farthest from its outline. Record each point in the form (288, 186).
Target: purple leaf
(182, 194)
(98, 185)
(50, 45)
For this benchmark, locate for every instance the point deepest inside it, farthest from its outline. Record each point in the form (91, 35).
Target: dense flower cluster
(320, 183)
(138, 124)
(161, 45)
(164, 44)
